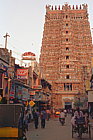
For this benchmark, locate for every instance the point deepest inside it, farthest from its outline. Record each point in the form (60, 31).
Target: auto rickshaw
(11, 122)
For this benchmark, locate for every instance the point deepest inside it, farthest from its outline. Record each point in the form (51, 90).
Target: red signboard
(22, 73)
(32, 93)
(37, 86)
(28, 56)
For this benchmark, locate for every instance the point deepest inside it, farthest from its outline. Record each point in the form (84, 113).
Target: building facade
(6, 70)
(65, 58)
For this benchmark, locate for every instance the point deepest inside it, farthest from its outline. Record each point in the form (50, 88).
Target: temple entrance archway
(68, 105)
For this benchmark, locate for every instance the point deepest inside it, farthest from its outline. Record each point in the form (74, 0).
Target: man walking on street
(36, 117)
(43, 118)
(48, 114)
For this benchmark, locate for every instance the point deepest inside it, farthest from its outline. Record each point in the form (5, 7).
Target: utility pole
(7, 35)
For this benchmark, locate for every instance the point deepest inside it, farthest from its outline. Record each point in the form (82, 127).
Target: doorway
(68, 105)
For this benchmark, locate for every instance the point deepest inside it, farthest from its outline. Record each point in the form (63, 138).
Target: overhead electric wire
(14, 49)
(20, 54)
(16, 53)
(18, 44)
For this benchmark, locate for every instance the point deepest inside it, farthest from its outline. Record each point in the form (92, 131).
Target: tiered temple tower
(65, 58)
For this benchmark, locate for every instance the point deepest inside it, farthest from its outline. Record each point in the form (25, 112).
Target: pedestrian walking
(78, 113)
(48, 114)
(36, 118)
(26, 120)
(65, 111)
(43, 118)
(29, 114)
(62, 117)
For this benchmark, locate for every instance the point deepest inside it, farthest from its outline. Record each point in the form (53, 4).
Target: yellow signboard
(31, 103)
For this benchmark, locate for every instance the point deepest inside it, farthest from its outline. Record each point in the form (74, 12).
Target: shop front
(41, 101)
(3, 79)
(90, 101)
(18, 92)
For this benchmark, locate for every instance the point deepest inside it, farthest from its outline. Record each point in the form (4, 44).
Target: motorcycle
(62, 120)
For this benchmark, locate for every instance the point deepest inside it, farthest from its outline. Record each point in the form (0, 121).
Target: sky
(24, 21)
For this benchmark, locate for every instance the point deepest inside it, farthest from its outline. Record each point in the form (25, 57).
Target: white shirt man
(62, 115)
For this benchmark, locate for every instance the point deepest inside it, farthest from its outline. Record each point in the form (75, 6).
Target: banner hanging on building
(22, 73)
(25, 94)
(19, 91)
(12, 91)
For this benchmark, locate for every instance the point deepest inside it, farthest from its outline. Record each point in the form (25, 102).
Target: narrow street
(53, 131)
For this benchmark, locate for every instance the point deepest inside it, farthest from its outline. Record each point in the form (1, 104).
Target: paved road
(53, 131)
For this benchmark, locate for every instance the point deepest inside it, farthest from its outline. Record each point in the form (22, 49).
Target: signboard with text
(28, 56)
(22, 73)
(25, 94)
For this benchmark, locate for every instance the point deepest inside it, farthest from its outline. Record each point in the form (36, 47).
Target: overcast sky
(24, 20)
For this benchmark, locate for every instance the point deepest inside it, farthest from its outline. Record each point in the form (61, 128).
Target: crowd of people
(36, 116)
(44, 115)
(39, 117)
(76, 115)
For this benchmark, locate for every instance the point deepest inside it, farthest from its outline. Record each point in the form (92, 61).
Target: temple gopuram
(65, 59)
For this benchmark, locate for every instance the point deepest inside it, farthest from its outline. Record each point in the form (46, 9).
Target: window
(67, 66)
(67, 57)
(67, 76)
(66, 39)
(67, 86)
(66, 24)
(34, 81)
(66, 16)
(66, 32)
(67, 48)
